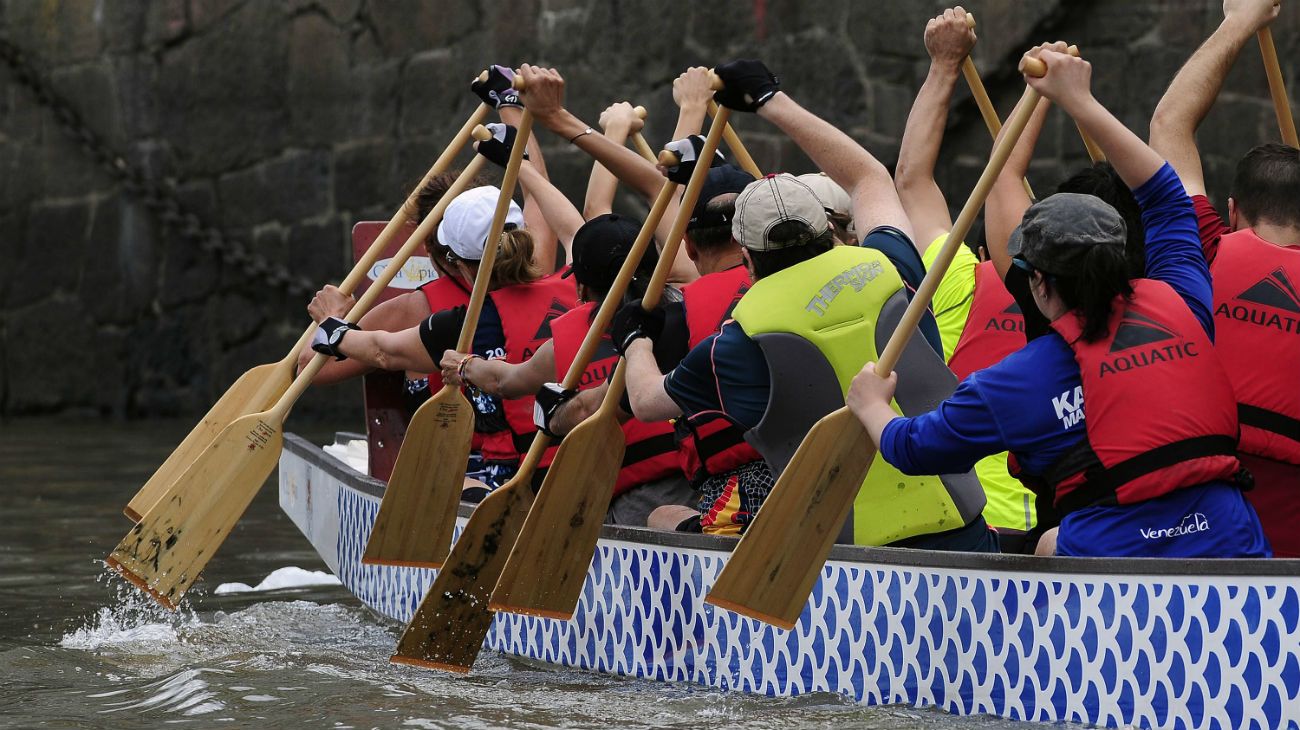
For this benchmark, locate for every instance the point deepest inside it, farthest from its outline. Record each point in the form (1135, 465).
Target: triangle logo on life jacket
(1274, 290)
(556, 309)
(1138, 329)
(1013, 309)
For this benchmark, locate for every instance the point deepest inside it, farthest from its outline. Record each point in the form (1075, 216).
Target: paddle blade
(418, 511)
(547, 568)
(448, 628)
(773, 569)
(255, 391)
(164, 554)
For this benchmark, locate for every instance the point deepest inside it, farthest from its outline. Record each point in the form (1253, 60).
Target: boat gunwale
(864, 556)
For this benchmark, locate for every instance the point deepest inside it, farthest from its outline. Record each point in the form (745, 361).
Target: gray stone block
(297, 184)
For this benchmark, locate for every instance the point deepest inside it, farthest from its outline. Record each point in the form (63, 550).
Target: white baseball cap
(774, 200)
(834, 198)
(468, 221)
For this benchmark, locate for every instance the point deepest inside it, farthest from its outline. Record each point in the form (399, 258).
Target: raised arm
(1008, 201)
(559, 213)
(544, 96)
(540, 222)
(948, 40)
(619, 121)
(1068, 83)
(751, 87)
(1197, 84)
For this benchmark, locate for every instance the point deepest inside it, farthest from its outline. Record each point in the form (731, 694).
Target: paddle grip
(921, 300)
(1277, 87)
(642, 147)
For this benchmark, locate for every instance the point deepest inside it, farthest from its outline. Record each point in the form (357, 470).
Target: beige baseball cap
(764, 204)
(468, 221)
(833, 197)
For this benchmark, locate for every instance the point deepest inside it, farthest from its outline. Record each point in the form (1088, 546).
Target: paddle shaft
(1277, 87)
(981, 95)
(732, 139)
(642, 147)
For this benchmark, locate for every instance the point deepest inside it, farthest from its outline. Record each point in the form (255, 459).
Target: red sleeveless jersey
(1158, 406)
(650, 453)
(994, 328)
(1257, 337)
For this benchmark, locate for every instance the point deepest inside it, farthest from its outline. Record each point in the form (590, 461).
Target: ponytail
(1102, 276)
(514, 263)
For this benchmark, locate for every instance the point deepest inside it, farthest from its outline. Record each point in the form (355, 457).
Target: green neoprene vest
(834, 301)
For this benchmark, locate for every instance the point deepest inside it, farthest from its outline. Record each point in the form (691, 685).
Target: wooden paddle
(164, 554)
(259, 388)
(447, 630)
(418, 511)
(732, 139)
(643, 147)
(982, 100)
(548, 564)
(780, 556)
(1277, 87)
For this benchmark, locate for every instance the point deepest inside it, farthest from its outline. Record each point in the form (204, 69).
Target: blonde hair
(514, 263)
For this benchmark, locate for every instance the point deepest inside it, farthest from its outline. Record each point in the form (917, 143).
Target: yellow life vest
(834, 301)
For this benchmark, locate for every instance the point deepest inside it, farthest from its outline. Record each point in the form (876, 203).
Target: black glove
(688, 153)
(550, 398)
(497, 150)
(329, 333)
(631, 323)
(748, 85)
(498, 91)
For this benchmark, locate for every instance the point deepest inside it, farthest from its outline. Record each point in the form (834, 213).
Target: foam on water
(289, 577)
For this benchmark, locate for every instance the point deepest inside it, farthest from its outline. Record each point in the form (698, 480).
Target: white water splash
(289, 577)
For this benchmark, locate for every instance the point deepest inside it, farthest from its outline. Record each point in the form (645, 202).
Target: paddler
(1255, 258)
(1149, 468)
(514, 323)
(827, 297)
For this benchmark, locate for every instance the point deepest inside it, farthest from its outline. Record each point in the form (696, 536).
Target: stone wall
(279, 124)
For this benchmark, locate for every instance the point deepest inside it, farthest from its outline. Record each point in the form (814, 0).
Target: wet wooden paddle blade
(255, 391)
(448, 628)
(418, 511)
(548, 566)
(773, 569)
(164, 554)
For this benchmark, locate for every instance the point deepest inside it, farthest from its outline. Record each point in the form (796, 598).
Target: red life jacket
(527, 312)
(1257, 337)
(650, 453)
(709, 443)
(1158, 406)
(709, 300)
(994, 328)
(443, 293)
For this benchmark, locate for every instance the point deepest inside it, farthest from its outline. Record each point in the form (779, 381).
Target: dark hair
(1102, 276)
(1266, 187)
(841, 226)
(1100, 180)
(767, 263)
(713, 238)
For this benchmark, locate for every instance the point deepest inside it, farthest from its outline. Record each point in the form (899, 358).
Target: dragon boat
(1114, 643)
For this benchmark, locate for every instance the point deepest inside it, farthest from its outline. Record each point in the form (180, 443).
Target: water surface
(81, 649)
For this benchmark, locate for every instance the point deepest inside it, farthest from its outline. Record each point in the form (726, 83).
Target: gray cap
(774, 200)
(1058, 231)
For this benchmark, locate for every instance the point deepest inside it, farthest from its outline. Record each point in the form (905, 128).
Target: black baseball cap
(1057, 232)
(601, 246)
(722, 179)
